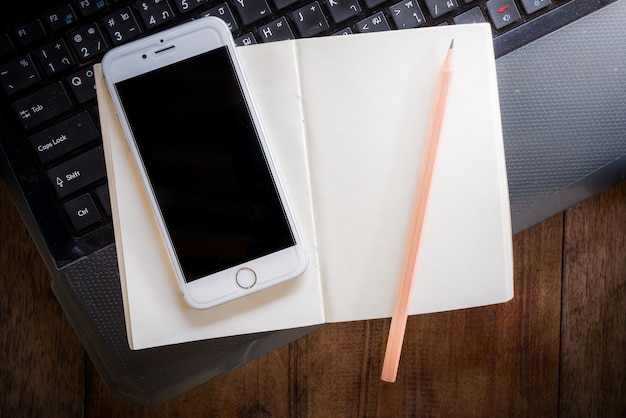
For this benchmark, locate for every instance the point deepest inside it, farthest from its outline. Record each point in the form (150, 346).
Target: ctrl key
(82, 212)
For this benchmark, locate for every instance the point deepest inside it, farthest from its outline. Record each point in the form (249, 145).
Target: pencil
(399, 316)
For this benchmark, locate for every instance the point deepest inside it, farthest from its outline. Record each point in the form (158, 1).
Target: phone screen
(208, 171)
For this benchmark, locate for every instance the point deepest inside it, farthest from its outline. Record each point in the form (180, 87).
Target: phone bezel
(167, 48)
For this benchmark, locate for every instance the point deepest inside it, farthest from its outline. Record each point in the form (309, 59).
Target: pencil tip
(452, 43)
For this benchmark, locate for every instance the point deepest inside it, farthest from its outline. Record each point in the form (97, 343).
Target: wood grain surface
(556, 350)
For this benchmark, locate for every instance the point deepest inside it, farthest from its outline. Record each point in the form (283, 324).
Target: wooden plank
(499, 360)
(593, 362)
(331, 366)
(42, 363)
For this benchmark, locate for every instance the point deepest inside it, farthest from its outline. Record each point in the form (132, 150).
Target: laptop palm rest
(563, 103)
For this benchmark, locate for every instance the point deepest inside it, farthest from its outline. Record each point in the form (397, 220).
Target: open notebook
(345, 118)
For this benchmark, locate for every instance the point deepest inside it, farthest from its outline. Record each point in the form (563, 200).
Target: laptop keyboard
(46, 78)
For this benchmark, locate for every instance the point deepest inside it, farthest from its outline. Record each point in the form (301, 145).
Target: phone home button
(246, 278)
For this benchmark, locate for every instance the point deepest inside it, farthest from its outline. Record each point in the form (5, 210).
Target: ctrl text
(82, 212)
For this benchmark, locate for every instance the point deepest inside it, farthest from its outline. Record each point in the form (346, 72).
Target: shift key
(77, 173)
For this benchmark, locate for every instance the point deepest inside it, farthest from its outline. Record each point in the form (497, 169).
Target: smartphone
(190, 123)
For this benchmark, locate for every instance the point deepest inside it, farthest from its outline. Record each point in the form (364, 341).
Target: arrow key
(503, 12)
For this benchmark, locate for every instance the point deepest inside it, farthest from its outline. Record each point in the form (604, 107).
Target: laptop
(561, 74)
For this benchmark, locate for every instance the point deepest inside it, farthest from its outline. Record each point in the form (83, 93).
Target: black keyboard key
(503, 12)
(185, 6)
(342, 32)
(102, 193)
(154, 12)
(374, 3)
(18, 74)
(61, 18)
(284, 3)
(223, 12)
(43, 105)
(88, 42)
(83, 84)
(375, 23)
(474, 15)
(30, 33)
(277, 30)
(531, 6)
(78, 173)
(6, 46)
(310, 20)
(245, 39)
(82, 212)
(64, 137)
(441, 7)
(407, 14)
(252, 10)
(121, 26)
(341, 10)
(54, 57)
(90, 7)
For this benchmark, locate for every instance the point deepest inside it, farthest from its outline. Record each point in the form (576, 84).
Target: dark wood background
(557, 349)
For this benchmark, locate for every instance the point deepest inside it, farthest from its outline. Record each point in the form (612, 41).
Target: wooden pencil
(399, 316)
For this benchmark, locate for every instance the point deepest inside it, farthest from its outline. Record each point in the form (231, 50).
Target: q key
(83, 84)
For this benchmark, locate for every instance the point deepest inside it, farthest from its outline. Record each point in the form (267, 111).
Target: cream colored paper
(345, 118)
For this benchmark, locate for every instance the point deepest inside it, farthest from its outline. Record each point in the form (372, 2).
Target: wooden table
(557, 349)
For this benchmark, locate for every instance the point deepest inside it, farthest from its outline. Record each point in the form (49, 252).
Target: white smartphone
(187, 114)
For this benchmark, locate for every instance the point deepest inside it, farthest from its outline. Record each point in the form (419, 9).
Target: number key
(121, 26)
(154, 12)
(55, 57)
(18, 74)
(185, 6)
(88, 42)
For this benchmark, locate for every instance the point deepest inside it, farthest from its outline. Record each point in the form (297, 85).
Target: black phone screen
(202, 155)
